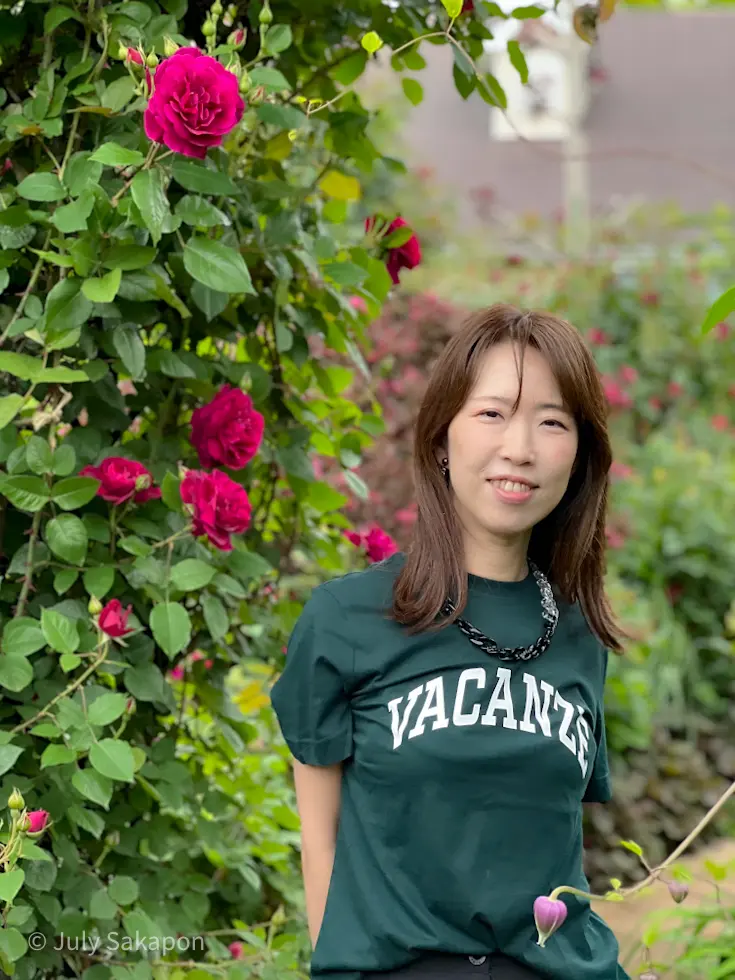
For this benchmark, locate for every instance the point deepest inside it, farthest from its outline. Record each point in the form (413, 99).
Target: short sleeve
(599, 787)
(310, 698)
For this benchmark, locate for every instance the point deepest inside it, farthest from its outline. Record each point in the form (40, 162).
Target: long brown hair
(569, 544)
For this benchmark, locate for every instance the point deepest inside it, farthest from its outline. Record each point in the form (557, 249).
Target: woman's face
(509, 471)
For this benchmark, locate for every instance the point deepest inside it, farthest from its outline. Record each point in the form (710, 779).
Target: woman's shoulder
(368, 589)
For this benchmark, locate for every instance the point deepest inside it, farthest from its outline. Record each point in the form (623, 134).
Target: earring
(445, 467)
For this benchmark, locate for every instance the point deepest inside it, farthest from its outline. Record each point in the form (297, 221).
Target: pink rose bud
(549, 914)
(208, 664)
(177, 673)
(36, 821)
(237, 38)
(113, 619)
(8, 165)
(678, 891)
(236, 950)
(130, 706)
(133, 56)
(197, 655)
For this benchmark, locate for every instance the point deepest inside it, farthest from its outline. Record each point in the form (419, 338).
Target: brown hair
(569, 544)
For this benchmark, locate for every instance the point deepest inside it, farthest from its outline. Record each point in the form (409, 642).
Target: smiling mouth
(513, 486)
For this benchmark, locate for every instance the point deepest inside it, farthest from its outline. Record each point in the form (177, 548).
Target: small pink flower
(620, 471)
(722, 331)
(628, 374)
(197, 655)
(615, 538)
(37, 820)
(598, 337)
(177, 673)
(616, 396)
(358, 303)
(720, 422)
(674, 389)
(208, 664)
(650, 298)
(655, 404)
(549, 914)
(236, 950)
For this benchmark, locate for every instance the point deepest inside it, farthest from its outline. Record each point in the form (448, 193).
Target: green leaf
(11, 883)
(41, 187)
(99, 581)
(22, 636)
(492, 91)
(130, 349)
(106, 709)
(25, 492)
(412, 90)
(10, 405)
(101, 905)
(372, 42)
(56, 16)
(66, 536)
(198, 211)
(93, 786)
(170, 492)
(104, 289)
(114, 759)
(8, 757)
(123, 890)
(630, 845)
(21, 366)
(129, 257)
(202, 180)
(149, 196)
(57, 755)
(64, 460)
(191, 574)
(93, 822)
(74, 492)
(13, 944)
(66, 307)
(60, 632)
(452, 7)
(69, 661)
(64, 579)
(62, 376)
(81, 174)
(215, 616)
(283, 116)
(217, 266)
(73, 217)
(340, 186)
(278, 38)
(114, 155)
(171, 627)
(38, 455)
(269, 78)
(118, 93)
(16, 673)
(528, 13)
(722, 307)
(209, 301)
(518, 60)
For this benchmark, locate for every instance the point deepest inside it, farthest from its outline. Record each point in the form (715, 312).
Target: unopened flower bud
(237, 38)
(245, 82)
(678, 891)
(94, 606)
(549, 914)
(208, 28)
(130, 706)
(217, 9)
(36, 821)
(235, 67)
(133, 56)
(257, 95)
(151, 61)
(169, 46)
(16, 801)
(265, 16)
(122, 51)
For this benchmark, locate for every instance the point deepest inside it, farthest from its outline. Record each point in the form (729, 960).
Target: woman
(445, 707)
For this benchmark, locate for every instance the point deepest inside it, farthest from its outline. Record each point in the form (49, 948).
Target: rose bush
(181, 226)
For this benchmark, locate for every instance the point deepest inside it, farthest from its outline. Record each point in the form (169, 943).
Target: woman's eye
(555, 422)
(491, 411)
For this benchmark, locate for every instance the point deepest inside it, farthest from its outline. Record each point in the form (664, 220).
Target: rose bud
(236, 949)
(549, 914)
(237, 38)
(132, 56)
(113, 619)
(16, 801)
(169, 47)
(678, 891)
(36, 821)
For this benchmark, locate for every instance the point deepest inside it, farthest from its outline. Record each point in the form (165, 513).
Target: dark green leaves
(171, 627)
(67, 538)
(114, 155)
(41, 187)
(151, 201)
(217, 266)
(202, 180)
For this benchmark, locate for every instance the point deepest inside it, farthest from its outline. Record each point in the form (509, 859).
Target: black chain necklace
(549, 612)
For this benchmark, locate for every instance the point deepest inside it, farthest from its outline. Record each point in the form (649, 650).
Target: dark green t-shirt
(463, 777)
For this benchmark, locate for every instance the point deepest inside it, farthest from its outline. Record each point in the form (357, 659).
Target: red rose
(406, 256)
(378, 544)
(220, 507)
(37, 820)
(227, 431)
(196, 101)
(113, 619)
(122, 479)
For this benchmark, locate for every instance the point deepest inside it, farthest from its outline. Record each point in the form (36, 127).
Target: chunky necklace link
(549, 612)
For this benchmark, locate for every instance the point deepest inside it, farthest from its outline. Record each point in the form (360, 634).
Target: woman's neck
(501, 562)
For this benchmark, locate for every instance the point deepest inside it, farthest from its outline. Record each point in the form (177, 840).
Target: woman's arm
(318, 798)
